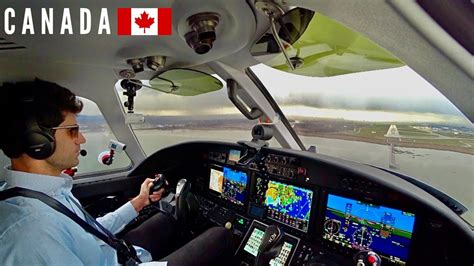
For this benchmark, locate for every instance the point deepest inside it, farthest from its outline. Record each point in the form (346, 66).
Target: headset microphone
(83, 152)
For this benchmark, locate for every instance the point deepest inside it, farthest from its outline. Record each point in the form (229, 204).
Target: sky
(397, 94)
(396, 89)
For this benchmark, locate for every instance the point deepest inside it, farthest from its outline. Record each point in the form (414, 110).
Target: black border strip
(12, 48)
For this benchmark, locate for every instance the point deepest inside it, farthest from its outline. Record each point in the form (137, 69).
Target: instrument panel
(330, 209)
(274, 188)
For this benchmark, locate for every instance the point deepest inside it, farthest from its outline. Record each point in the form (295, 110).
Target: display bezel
(370, 200)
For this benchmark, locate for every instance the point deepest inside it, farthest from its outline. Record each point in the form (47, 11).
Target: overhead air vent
(7, 45)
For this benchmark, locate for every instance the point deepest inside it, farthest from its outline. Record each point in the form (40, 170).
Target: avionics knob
(367, 257)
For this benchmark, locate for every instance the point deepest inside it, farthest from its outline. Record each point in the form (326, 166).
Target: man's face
(68, 145)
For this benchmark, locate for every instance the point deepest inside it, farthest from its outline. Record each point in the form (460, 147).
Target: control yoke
(159, 183)
(271, 245)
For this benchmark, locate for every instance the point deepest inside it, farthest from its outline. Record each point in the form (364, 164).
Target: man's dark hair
(50, 104)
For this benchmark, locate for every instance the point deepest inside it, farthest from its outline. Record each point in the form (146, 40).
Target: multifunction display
(230, 184)
(288, 204)
(356, 224)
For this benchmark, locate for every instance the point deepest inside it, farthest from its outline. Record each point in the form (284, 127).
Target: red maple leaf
(144, 21)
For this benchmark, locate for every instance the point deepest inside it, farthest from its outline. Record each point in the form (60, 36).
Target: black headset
(37, 141)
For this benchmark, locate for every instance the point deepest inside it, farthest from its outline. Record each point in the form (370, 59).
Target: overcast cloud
(392, 90)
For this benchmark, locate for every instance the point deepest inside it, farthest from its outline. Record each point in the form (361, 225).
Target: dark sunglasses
(73, 130)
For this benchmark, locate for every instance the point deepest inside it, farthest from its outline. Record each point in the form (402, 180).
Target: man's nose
(81, 138)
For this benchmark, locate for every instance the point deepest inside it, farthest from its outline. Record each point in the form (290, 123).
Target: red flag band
(144, 21)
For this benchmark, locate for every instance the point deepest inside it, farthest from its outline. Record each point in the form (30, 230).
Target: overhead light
(203, 34)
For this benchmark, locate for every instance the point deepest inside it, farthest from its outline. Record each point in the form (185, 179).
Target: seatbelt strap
(89, 217)
(125, 252)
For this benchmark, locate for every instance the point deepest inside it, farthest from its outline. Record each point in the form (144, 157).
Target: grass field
(417, 136)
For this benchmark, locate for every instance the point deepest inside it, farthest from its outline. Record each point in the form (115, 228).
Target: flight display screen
(230, 184)
(234, 155)
(216, 180)
(254, 241)
(356, 224)
(289, 204)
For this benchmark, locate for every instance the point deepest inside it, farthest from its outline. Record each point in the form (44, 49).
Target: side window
(98, 135)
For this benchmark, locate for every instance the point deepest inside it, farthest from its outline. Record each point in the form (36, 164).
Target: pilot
(41, 137)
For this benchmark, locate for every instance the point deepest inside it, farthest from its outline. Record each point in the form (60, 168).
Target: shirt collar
(50, 185)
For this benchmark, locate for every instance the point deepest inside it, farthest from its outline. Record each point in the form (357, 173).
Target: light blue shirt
(33, 233)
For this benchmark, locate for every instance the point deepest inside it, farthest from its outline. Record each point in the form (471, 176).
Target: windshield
(390, 118)
(171, 119)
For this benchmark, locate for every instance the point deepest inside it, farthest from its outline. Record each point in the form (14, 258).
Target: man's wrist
(139, 203)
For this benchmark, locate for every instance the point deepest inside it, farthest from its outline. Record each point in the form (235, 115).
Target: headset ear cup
(39, 144)
(52, 141)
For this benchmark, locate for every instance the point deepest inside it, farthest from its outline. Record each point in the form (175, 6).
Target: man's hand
(144, 198)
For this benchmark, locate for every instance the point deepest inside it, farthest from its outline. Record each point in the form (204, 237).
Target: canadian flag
(144, 21)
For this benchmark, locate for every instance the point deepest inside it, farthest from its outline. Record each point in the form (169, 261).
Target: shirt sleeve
(37, 245)
(116, 221)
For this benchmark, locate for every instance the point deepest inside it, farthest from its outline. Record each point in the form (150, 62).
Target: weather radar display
(361, 225)
(289, 204)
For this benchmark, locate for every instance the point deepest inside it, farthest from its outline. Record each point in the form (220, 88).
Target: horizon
(291, 119)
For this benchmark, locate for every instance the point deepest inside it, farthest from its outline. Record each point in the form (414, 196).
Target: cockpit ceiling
(240, 27)
(112, 51)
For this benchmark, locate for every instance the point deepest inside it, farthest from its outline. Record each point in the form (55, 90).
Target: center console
(248, 249)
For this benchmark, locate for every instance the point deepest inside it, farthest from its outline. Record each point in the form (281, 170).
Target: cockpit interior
(286, 201)
(330, 210)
